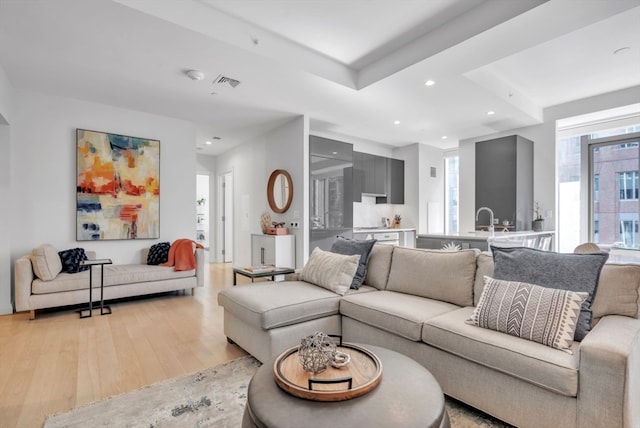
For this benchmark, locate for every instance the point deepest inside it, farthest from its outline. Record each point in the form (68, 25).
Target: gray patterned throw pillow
(544, 315)
(573, 272)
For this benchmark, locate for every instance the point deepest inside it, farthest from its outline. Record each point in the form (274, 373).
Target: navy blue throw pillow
(158, 253)
(352, 247)
(71, 260)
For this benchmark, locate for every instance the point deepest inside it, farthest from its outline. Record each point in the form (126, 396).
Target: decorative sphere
(316, 352)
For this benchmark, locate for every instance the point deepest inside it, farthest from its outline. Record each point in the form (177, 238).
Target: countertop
(483, 236)
(382, 229)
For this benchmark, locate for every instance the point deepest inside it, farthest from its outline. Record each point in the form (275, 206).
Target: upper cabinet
(395, 181)
(378, 176)
(504, 181)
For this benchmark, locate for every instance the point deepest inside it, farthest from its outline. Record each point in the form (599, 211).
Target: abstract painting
(117, 187)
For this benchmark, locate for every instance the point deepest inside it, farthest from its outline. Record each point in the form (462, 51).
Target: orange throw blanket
(181, 255)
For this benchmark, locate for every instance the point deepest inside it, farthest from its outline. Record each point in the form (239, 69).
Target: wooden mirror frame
(271, 187)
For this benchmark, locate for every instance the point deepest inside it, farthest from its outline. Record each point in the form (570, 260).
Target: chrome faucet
(491, 227)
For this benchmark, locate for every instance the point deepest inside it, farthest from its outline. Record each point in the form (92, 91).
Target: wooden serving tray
(364, 373)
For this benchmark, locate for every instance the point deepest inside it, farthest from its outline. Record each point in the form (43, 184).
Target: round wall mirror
(280, 191)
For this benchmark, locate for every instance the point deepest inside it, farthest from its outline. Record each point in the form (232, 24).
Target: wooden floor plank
(59, 361)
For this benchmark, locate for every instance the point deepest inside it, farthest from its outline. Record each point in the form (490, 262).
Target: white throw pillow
(46, 262)
(544, 315)
(329, 270)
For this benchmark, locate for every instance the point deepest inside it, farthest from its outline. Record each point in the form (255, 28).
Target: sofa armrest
(24, 276)
(200, 267)
(609, 385)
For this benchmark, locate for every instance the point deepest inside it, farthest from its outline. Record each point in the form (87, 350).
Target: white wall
(6, 114)
(43, 160)
(251, 164)
(544, 153)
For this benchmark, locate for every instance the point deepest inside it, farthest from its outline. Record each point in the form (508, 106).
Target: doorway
(226, 218)
(202, 211)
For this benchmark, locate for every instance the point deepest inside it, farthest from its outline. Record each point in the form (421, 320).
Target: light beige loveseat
(126, 280)
(524, 383)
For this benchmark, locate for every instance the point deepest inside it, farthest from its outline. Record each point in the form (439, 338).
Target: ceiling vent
(224, 79)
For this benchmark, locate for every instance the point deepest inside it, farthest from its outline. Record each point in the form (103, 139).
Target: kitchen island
(404, 237)
(481, 240)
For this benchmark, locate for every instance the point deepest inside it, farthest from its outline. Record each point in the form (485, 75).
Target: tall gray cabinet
(504, 181)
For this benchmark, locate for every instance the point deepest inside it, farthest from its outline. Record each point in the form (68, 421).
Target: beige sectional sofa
(61, 289)
(424, 316)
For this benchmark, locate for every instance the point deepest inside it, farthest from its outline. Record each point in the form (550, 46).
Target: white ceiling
(352, 66)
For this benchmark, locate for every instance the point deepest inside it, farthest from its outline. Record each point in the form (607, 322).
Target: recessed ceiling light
(490, 112)
(334, 153)
(396, 122)
(208, 143)
(195, 74)
(429, 83)
(622, 50)
(444, 137)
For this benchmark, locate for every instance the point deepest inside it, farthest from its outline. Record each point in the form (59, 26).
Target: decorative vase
(265, 221)
(537, 225)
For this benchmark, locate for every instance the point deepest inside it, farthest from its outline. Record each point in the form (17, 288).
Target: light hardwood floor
(59, 361)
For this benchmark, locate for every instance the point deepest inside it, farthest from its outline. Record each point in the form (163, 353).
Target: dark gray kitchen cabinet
(374, 174)
(378, 176)
(395, 181)
(504, 181)
(357, 176)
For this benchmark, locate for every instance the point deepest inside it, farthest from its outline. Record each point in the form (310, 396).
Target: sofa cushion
(436, 274)
(544, 315)
(485, 268)
(158, 253)
(113, 275)
(329, 270)
(529, 361)
(574, 272)
(379, 266)
(397, 313)
(350, 247)
(71, 260)
(618, 292)
(46, 262)
(268, 305)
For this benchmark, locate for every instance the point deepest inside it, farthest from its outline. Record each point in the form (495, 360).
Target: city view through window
(598, 188)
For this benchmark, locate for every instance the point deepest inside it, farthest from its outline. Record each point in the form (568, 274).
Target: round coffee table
(407, 396)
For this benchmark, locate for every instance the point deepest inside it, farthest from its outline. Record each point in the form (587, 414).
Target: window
(451, 193)
(628, 145)
(596, 186)
(628, 185)
(628, 230)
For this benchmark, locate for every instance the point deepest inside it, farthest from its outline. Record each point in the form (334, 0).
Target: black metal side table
(104, 310)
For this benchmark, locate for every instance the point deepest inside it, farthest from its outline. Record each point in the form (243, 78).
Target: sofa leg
(32, 314)
(230, 341)
(193, 291)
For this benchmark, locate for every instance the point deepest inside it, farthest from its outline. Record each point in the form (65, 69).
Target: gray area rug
(214, 397)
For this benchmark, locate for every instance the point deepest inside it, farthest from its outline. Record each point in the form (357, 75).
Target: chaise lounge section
(419, 302)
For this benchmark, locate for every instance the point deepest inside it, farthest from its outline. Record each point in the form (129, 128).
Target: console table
(104, 310)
